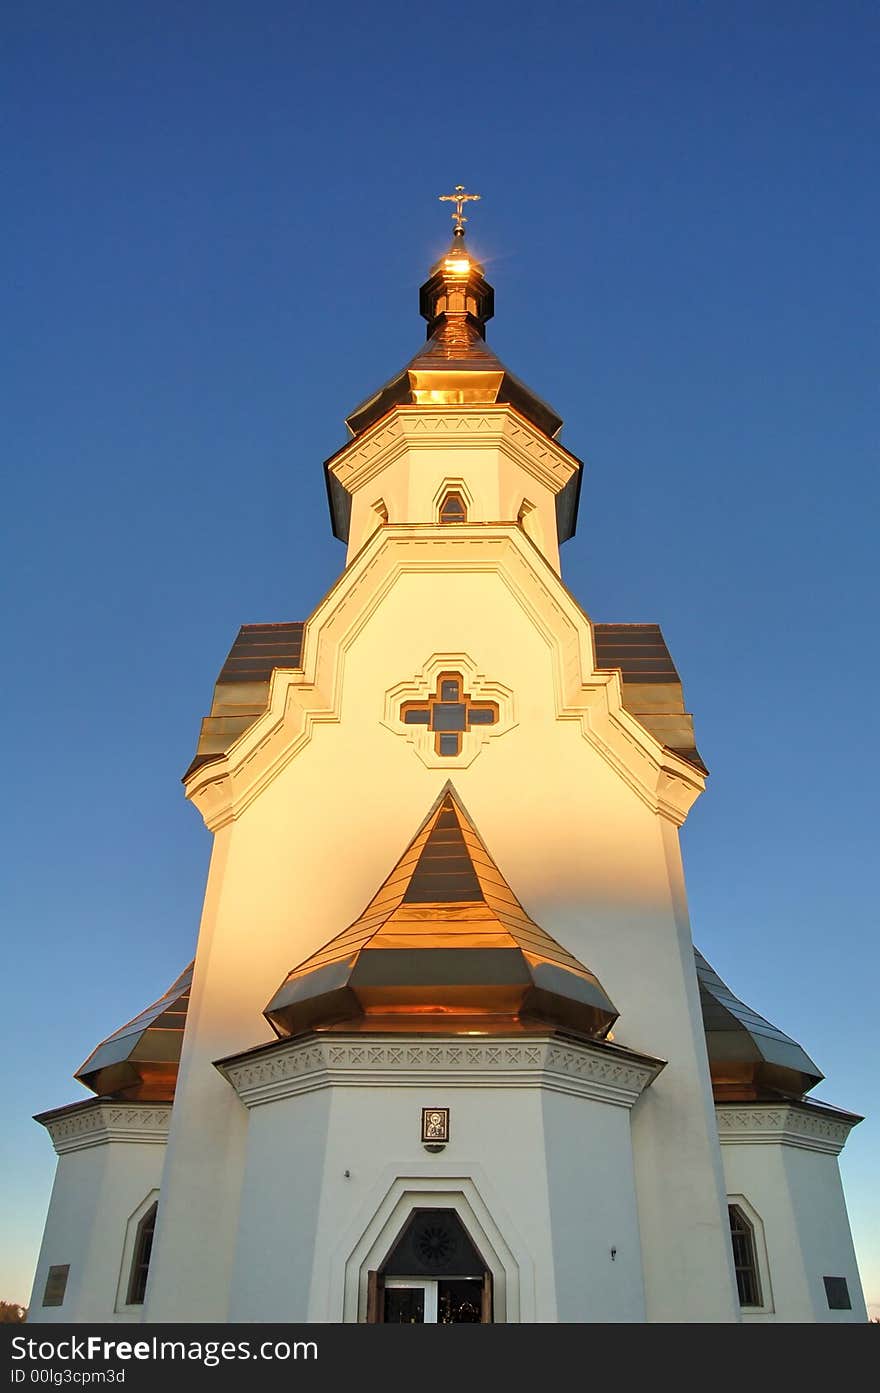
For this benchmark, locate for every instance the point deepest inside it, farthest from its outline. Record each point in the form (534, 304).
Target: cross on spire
(449, 713)
(459, 198)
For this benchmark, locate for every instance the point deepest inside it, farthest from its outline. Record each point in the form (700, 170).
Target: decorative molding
(101, 1122)
(476, 685)
(453, 483)
(298, 700)
(386, 1210)
(424, 428)
(786, 1124)
(294, 1067)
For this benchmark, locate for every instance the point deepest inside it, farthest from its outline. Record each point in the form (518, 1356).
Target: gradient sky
(217, 217)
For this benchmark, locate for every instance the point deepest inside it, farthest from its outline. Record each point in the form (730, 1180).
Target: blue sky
(217, 217)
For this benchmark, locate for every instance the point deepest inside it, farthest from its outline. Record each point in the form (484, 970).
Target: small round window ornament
(436, 1244)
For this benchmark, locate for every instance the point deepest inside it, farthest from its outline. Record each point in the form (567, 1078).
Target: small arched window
(453, 508)
(745, 1257)
(140, 1260)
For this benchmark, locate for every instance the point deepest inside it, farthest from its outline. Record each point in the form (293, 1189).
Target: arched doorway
(433, 1275)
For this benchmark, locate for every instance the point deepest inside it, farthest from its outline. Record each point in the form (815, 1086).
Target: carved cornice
(499, 428)
(225, 787)
(100, 1122)
(293, 1067)
(785, 1124)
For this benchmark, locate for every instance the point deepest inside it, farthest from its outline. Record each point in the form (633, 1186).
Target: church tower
(446, 1051)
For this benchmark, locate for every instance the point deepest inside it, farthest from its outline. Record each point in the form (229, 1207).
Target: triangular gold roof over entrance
(444, 944)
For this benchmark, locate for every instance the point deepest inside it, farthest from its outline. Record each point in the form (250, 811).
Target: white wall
(591, 860)
(95, 1191)
(799, 1197)
(555, 1173)
(500, 466)
(594, 1226)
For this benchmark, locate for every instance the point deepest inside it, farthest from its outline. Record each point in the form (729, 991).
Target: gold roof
(140, 1059)
(748, 1057)
(445, 945)
(456, 365)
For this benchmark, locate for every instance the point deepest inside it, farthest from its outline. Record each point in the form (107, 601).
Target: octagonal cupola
(457, 287)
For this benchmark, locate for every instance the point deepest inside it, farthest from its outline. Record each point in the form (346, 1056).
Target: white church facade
(446, 1051)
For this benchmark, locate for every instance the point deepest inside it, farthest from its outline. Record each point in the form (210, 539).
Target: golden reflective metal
(140, 1059)
(459, 198)
(748, 1057)
(444, 943)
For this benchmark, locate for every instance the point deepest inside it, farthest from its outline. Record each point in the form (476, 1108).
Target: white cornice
(295, 1067)
(408, 428)
(100, 1122)
(225, 787)
(771, 1124)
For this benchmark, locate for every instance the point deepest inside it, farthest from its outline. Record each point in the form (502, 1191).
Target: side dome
(139, 1061)
(748, 1057)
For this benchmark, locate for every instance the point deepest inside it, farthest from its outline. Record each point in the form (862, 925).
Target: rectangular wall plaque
(837, 1292)
(56, 1285)
(435, 1125)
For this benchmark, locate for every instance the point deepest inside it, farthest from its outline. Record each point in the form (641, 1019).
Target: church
(447, 1052)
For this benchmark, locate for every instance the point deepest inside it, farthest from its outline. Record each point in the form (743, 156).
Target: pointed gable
(444, 943)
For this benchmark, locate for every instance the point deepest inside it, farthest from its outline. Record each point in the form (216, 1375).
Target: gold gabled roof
(140, 1059)
(651, 686)
(444, 944)
(241, 692)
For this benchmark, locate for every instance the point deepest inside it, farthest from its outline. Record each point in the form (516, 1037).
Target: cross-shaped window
(449, 712)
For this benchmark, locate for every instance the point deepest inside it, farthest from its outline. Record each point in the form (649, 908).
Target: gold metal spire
(459, 198)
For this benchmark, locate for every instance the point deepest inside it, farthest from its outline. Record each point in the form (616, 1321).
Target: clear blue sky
(216, 219)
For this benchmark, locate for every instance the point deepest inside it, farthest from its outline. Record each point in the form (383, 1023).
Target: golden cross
(459, 198)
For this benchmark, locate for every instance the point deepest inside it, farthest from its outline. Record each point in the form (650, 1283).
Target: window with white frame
(750, 1261)
(137, 1250)
(745, 1257)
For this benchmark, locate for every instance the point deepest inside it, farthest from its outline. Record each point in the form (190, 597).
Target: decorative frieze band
(101, 1122)
(296, 1067)
(775, 1124)
(494, 427)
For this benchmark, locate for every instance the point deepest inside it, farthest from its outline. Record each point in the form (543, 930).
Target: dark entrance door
(433, 1275)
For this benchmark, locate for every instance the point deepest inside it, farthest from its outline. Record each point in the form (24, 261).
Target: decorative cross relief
(449, 710)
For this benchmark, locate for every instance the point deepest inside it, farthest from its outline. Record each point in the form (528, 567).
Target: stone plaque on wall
(56, 1285)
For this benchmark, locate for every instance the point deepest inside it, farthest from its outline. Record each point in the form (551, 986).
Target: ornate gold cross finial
(459, 198)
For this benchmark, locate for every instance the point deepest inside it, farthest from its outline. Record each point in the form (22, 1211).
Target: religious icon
(435, 1124)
